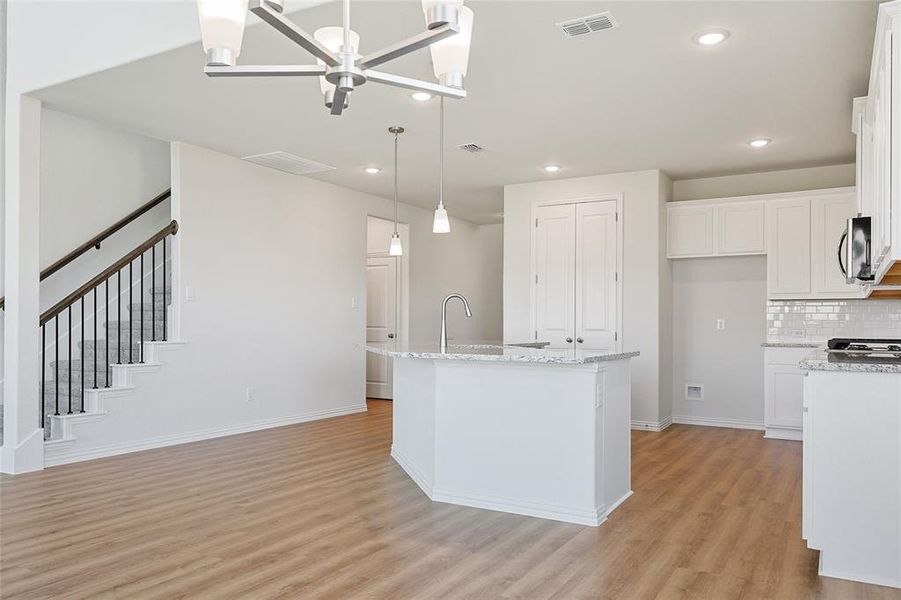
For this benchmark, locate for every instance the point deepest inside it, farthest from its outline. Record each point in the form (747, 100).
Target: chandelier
(340, 67)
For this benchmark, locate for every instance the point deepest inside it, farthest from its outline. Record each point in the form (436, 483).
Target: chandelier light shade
(340, 70)
(441, 224)
(333, 39)
(450, 56)
(222, 29)
(395, 249)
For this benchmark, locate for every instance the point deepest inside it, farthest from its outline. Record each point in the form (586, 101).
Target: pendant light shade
(333, 39)
(450, 56)
(222, 29)
(441, 224)
(395, 249)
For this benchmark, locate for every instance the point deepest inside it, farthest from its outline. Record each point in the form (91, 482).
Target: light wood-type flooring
(319, 510)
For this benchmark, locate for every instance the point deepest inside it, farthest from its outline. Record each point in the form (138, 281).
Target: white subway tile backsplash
(823, 319)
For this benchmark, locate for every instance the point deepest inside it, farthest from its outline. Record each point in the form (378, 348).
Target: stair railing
(95, 241)
(90, 289)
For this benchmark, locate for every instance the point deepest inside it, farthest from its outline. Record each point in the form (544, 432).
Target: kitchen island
(518, 429)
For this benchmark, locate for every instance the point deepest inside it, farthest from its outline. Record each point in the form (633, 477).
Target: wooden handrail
(171, 228)
(95, 241)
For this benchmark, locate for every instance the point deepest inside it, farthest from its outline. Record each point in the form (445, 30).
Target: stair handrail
(171, 228)
(95, 241)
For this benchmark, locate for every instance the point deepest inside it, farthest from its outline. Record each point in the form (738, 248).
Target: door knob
(580, 340)
(390, 336)
(569, 340)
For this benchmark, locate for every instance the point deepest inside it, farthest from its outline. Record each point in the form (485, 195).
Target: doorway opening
(387, 302)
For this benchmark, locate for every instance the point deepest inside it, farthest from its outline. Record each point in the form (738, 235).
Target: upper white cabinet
(705, 228)
(789, 251)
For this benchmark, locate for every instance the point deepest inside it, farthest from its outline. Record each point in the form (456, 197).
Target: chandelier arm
(266, 71)
(294, 33)
(421, 40)
(338, 101)
(409, 83)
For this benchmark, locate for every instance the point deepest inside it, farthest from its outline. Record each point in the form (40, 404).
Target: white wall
(274, 261)
(645, 276)
(728, 363)
(92, 176)
(788, 180)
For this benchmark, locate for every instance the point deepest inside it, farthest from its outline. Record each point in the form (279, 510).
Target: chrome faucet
(444, 317)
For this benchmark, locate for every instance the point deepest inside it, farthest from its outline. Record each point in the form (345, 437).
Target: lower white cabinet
(783, 392)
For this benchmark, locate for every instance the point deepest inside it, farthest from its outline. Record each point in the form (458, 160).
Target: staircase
(78, 380)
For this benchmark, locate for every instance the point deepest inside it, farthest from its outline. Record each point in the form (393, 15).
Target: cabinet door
(807, 465)
(689, 231)
(788, 248)
(783, 396)
(555, 275)
(830, 220)
(596, 277)
(741, 228)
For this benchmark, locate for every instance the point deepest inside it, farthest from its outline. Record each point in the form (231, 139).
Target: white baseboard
(779, 433)
(652, 425)
(567, 514)
(717, 422)
(414, 473)
(67, 455)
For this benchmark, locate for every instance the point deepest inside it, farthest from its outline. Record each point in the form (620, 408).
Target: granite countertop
(790, 344)
(837, 361)
(498, 352)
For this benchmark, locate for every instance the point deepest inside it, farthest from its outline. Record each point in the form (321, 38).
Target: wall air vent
(289, 163)
(694, 391)
(473, 148)
(585, 25)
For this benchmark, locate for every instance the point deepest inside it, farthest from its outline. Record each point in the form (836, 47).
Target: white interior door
(555, 275)
(381, 323)
(596, 278)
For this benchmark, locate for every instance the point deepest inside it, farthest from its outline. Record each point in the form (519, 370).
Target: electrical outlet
(799, 333)
(251, 394)
(189, 293)
(721, 324)
(353, 302)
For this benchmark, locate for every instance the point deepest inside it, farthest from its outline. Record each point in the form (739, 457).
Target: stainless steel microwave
(854, 255)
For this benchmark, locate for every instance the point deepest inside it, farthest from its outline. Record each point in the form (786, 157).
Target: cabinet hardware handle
(569, 340)
(390, 336)
(580, 340)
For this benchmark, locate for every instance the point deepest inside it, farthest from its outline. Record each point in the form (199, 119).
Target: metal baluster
(56, 366)
(43, 369)
(153, 292)
(165, 329)
(119, 317)
(69, 310)
(142, 307)
(106, 349)
(82, 354)
(95, 337)
(131, 328)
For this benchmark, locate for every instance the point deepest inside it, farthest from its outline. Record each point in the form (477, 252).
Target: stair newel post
(56, 366)
(82, 354)
(131, 329)
(165, 329)
(69, 319)
(119, 317)
(95, 337)
(43, 369)
(141, 353)
(153, 292)
(106, 347)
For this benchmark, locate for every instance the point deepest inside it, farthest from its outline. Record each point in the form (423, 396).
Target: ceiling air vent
(586, 25)
(289, 163)
(473, 148)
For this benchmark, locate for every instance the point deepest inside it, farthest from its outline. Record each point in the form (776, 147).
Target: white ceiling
(642, 96)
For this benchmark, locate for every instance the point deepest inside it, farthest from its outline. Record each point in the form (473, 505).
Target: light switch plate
(721, 324)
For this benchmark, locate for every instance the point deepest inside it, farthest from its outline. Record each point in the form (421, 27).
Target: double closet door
(575, 275)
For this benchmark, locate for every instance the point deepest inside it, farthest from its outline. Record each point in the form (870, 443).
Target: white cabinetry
(705, 228)
(788, 252)
(783, 392)
(575, 272)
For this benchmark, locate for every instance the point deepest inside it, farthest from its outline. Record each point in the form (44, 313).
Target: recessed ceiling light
(552, 168)
(421, 96)
(712, 37)
(760, 142)
(372, 170)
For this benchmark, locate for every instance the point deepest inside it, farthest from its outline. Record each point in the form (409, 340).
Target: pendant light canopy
(222, 29)
(441, 224)
(395, 249)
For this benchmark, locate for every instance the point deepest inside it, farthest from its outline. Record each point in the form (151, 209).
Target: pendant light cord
(441, 156)
(395, 184)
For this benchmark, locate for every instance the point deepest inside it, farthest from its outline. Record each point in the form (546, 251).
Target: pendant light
(395, 249)
(441, 224)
